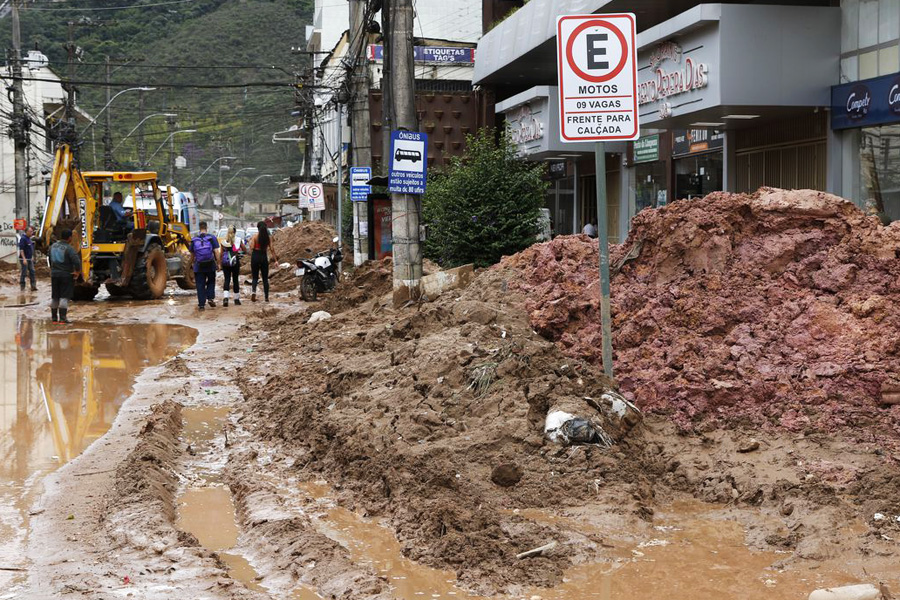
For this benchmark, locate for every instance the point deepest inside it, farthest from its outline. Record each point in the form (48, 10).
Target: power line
(87, 9)
(169, 85)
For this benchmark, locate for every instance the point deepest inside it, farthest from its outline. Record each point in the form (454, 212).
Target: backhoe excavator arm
(69, 192)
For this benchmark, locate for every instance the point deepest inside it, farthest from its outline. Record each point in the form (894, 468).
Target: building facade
(44, 100)
(733, 96)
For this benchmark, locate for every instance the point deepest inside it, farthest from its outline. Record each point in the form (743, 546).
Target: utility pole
(171, 122)
(387, 117)
(404, 207)
(18, 128)
(360, 131)
(69, 85)
(107, 131)
(142, 147)
(340, 178)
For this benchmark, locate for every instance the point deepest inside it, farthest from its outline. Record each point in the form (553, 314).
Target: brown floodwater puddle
(208, 513)
(62, 387)
(695, 551)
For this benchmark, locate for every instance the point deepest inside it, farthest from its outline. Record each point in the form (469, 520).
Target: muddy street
(153, 451)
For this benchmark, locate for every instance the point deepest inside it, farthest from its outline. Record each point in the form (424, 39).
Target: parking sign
(597, 61)
(409, 160)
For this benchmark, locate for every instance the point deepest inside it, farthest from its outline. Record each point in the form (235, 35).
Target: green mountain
(232, 46)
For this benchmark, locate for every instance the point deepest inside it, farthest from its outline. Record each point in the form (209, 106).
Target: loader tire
(116, 291)
(189, 281)
(85, 293)
(150, 274)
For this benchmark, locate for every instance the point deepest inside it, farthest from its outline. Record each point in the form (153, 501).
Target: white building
(44, 101)
(456, 21)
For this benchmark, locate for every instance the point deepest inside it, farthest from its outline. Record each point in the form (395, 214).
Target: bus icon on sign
(411, 155)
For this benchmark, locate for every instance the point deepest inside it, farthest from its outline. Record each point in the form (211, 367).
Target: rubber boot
(62, 315)
(54, 315)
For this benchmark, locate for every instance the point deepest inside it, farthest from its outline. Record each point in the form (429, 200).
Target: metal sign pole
(603, 238)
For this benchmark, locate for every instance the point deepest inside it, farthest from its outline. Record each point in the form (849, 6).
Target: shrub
(484, 206)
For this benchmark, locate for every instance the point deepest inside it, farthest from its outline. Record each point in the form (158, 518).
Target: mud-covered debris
(567, 429)
(864, 591)
(748, 446)
(319, 315)
(506, 475)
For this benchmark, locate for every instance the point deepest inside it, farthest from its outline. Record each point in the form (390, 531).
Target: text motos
(597, 77)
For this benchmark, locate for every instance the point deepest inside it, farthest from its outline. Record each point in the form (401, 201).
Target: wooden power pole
(360, 130)
(19, 128)
(404, 207)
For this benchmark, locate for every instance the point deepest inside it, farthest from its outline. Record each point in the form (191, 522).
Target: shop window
(650, 185)
(888, 20)
(697, 176)
(868, 65)
(879, 161)
(849, 25)
(888, 60)
(850, 68)
(868, 23)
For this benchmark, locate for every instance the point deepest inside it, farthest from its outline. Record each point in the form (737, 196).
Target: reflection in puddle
(62, 387)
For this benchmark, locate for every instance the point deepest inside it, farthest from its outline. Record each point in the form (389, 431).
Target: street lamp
(141, 123)
(171, 135)
(255, 180)
(238, 173)
(211, 165)
(134, 89)
(244, 191)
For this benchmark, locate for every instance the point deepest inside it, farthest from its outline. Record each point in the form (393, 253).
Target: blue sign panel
(866, 103)
(409, 160)
(359, 187)
(432, 54)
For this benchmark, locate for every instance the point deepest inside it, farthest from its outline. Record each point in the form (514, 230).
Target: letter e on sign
(597, 61)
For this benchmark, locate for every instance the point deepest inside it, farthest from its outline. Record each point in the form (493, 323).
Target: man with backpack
(65, 267)
(205, 252)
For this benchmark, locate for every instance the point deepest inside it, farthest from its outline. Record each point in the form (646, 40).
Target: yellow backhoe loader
(132, 257)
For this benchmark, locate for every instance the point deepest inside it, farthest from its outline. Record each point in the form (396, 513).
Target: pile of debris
(303, 240)
(436, 418)
(772, 309)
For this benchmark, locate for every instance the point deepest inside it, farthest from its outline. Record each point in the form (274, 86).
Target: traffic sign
(597, 60)
(359, 186)
(311, 196)
(409, 160)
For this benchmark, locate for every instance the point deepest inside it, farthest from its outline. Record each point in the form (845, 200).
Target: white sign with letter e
(597, 77)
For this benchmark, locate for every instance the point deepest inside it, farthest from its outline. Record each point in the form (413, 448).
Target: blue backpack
(203, 250)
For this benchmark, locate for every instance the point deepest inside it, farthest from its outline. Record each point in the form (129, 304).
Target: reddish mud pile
(774, 309)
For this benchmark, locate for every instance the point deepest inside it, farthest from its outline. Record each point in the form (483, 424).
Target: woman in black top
(260, 249)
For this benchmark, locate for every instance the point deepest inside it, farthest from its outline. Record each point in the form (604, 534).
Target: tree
(485, 205)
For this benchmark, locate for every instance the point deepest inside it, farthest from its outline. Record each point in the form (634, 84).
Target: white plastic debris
(319, 315)
(554, 421)
(865, 591)
(878, 517)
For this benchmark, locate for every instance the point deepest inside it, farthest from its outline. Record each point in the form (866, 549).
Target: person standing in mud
(26, 259)
(65, 268)
(205, 254)
(261, 247)
(231, 265)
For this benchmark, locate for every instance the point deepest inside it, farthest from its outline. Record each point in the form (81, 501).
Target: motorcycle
(320, 273)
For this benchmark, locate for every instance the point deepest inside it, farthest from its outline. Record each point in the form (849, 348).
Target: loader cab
(104, 185)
